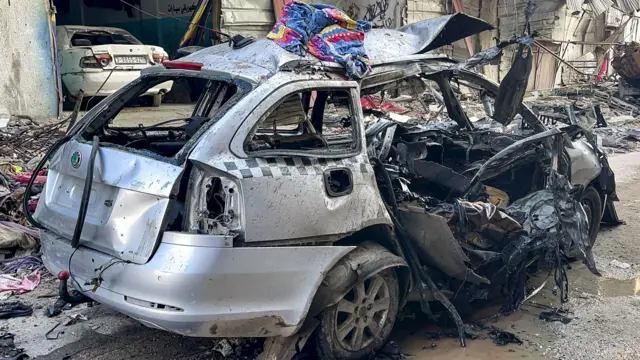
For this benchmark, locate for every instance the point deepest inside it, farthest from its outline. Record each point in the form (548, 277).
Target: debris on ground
(233, 349)
(8, 349)
(19, 285)
(56, 308)
(223, 347)
(502, 337)
(11, 309)
(75, 318)
(620, 264)
(14, 237)
(390, 351)
(27, 263)
(477, 331)
(556, 315)
(600, 108)
(24, 139)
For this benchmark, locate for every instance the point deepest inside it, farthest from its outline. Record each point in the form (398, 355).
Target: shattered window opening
(98, 37)
(308, 120)
(164, 131)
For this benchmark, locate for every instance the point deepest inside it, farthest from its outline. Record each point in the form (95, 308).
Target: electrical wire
(78, 286)
(86, 193)
(175, 18)
(100, 88)
(109, 264)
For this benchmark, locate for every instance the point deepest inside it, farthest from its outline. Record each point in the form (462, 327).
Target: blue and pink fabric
(324, 31)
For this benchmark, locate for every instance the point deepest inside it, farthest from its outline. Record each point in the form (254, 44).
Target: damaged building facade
(582, 35)
(574, 39)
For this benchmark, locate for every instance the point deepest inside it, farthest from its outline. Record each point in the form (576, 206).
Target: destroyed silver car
(271, 210)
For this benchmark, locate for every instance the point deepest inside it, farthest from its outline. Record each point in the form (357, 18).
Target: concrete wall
(27, 80)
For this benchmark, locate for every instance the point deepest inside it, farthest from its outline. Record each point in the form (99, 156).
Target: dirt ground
(605, 313)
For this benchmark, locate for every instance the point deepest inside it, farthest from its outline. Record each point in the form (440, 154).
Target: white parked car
(101, 60)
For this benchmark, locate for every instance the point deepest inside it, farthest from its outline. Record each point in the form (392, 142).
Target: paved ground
(606, 313)
(134, 116)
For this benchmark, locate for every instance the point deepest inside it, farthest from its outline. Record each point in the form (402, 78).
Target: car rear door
(305, 193)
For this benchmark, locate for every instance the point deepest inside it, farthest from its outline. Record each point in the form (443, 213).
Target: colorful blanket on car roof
(324, 31)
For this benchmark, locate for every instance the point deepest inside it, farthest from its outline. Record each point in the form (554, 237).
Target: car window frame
(269, 101)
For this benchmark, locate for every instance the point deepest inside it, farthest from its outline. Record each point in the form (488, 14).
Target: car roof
(263, 58)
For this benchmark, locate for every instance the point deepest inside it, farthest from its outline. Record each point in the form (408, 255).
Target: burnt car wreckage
(271, 215)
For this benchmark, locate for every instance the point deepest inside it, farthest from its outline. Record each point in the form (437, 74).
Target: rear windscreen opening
(164, 130)
(99, 37)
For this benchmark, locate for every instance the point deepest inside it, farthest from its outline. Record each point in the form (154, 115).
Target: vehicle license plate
(131, 59)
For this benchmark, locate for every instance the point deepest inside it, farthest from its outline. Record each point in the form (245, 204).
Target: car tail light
(89, 62)
(159, 58)
(96, 62)
(182, 65)
(103, 59)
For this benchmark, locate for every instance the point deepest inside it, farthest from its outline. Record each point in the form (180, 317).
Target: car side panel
(585, 165)
(284, 197)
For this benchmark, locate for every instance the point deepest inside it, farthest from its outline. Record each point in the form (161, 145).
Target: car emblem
(76, 159)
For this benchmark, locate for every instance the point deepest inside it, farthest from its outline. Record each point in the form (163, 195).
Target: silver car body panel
(302, 209)
(128, 202)
(205, 291)
(585, 164)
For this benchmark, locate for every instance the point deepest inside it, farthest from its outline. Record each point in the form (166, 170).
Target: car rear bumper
(99, 83)
(202, 291)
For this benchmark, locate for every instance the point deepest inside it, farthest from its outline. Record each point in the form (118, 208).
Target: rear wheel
(157, 100)
(361, 322)
(69, 101)
(150, 100)
(593, 207)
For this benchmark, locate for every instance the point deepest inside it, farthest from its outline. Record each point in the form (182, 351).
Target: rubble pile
(23, 139)
(621, 128)
(22, 144)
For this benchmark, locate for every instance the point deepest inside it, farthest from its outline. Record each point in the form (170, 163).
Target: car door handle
(338, 182)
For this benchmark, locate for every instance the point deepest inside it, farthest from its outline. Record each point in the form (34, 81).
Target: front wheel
(361, 322)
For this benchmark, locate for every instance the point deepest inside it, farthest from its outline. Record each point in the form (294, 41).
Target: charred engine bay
(480, 210)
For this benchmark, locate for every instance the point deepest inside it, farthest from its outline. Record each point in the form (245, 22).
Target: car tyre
(361, 322)
(156, 100)
(592, 204)
(69, 101)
